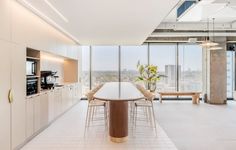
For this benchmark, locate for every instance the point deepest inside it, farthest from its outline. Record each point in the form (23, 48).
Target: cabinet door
(18, 86)
(43, 109)
(75, 95)
(29, 117)
(5, 76)
(70, 95)
(37, 120)
(51, 106)
(57, 102)
(65, 95)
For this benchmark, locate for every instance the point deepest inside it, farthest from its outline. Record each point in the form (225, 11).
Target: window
(230, 73)
(180, 63)
(190, 67)
(164, 56)
(130, 55)
(85, 69)
(105, 64)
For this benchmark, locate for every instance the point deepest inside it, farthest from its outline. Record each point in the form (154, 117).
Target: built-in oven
(32, 86)
(31, 67)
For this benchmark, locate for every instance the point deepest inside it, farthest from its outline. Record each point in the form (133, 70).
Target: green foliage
(148, 73)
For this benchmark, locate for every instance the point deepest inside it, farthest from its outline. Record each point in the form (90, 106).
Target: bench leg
(160, 98)
(194, 99)
(198, 98)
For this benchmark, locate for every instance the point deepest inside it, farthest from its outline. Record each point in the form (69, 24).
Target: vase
(151, 86)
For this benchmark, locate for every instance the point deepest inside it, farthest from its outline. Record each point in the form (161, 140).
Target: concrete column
(215, 74)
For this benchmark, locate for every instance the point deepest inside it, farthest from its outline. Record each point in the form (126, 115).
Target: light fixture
(208, 43)
(214, 47)
(56, 11)
(28, 5)
(52, 58)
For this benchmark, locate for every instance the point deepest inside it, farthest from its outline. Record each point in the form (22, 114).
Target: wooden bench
(195, 95)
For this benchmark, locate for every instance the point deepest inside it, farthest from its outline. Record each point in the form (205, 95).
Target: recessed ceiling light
(47, 19)
(56, 11)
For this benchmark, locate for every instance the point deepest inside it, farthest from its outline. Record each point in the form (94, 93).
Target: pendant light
(213, 37)
(208, 43)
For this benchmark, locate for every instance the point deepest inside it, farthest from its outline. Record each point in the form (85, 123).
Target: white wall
(19, 25)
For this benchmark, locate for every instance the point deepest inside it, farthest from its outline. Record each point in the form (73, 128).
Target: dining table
(118, 94)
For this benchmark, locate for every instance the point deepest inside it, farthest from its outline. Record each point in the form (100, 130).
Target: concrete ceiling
(103, 22)
(224, 11)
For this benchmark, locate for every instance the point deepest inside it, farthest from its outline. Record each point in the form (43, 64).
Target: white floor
(199, 127)
(67, 133)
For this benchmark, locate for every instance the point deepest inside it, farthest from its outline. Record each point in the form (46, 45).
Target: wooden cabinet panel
(37, 120)
(5, 75)
(29, 117)
(18, 87)
(43, 109)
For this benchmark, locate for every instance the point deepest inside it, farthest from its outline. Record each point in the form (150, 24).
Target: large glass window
(164, 56)
(85, 69)
(180, 63)
(105, 64)
(230, 73)
(190, 67)
(130, 55)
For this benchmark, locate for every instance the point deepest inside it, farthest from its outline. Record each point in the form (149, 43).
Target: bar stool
(93, 105)
(147, 105)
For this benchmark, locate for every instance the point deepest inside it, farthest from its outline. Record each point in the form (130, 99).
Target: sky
(106, 57)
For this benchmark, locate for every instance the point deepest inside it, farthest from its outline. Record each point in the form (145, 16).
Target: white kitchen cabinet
(5, 76)
(65, 97)
(13, 77)
(37, 119)
(43, 109)
(29, 117)
(76, 93)
(51, 104)
(57, 101)
(18, 87)
(70, 94)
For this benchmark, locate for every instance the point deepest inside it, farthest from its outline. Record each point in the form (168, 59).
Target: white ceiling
(222, 10)
(105, 22)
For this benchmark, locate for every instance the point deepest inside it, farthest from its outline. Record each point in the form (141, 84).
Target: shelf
(32, 58)
(32, 77)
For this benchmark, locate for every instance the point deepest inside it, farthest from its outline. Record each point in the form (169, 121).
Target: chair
(132, 103)
(93, 104)
(147, 105)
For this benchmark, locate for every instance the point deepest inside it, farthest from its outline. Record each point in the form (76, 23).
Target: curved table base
(118, 121)
(119, 140)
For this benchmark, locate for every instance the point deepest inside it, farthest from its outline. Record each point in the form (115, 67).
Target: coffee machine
(48, 79)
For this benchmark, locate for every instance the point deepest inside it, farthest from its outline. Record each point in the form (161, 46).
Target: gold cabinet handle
(10, 96)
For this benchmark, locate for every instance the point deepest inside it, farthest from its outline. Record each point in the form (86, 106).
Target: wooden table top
(118, 91)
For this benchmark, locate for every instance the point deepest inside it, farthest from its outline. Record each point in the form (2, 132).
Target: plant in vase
(149, 75)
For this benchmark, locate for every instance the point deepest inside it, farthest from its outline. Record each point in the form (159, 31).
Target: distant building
(171, 72)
